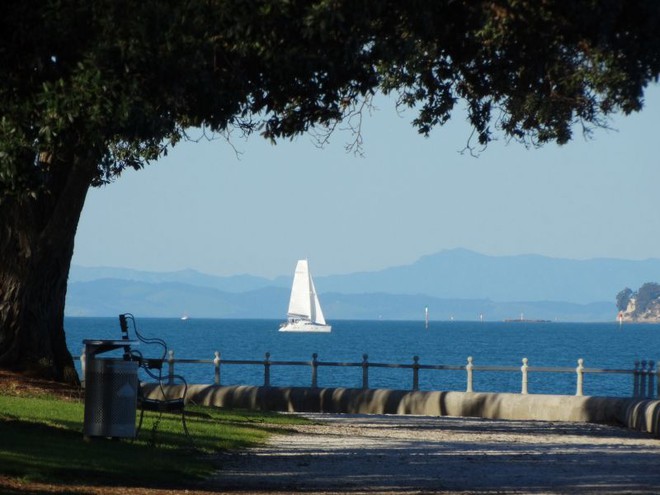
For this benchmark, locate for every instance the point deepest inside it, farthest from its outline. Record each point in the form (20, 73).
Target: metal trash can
(110, 393)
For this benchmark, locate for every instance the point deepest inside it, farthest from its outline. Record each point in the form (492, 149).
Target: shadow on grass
(41, 441)
(38, 453)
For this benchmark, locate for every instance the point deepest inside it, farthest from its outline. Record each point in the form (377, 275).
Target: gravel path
(413, 454)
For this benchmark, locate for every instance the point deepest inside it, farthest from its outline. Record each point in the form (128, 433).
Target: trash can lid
(118, 342)
(99, 346)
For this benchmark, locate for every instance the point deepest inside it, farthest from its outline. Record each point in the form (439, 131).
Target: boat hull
(305, 326)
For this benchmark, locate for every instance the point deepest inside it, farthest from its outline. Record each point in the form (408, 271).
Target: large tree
(92, 87)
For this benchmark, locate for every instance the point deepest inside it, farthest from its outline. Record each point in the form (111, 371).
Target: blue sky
(205, 207)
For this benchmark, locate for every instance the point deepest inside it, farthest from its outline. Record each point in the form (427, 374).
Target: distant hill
(451, 274)
(109, 297)
(234, 283)
(463, 274)
(411, 307)
(457, 284)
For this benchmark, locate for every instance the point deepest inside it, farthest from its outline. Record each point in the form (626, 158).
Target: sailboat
(305, 313)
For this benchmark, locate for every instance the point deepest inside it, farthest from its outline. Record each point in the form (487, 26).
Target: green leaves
(124, 79)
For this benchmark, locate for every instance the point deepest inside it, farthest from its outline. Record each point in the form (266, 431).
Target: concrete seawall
(638, 414)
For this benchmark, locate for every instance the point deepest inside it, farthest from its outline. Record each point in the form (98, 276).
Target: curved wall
(643, 415)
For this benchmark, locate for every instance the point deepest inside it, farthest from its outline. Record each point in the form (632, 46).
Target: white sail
(316, 313)
(304, 313)
(299, 302)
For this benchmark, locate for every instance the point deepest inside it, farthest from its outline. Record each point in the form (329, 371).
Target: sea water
(601, 345)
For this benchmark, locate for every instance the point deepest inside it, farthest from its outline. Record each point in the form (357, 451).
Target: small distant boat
(304, 313)
(184, 317)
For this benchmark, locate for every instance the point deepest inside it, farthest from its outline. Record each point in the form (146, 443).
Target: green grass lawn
(42, 441)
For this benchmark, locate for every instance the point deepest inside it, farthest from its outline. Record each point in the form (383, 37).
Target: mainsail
(304, 313)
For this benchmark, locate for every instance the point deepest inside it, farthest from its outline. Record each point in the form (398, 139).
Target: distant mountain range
(455, 283)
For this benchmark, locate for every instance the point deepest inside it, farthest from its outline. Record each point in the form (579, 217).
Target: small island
(522, 319)
(642, 306)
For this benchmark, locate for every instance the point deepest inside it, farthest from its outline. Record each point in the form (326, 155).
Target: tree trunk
(36, 245)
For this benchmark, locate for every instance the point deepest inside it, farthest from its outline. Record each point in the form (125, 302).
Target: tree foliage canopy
(92, 87)
(123, 79)
(645, 295)
(623, 298)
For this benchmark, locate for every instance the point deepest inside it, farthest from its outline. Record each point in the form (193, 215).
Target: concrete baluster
(170, 368)
(657, 380)
(524, 369)
(83, 366)
(267, 370)
(365, 371)
(216, 365)
(636, 380)
(651, 387)
(314, 370)
(580, 378)
(469, 368)
(415, 373)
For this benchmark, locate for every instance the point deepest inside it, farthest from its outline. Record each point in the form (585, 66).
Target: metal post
(415, 373)
(651, 387)
(636, 380)
(580, 378)
(170, 368)
(524, 368)
(469, 368)
(642, 381)
(315, 366)
(267, 370)
(365, 371)
(216, 365)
